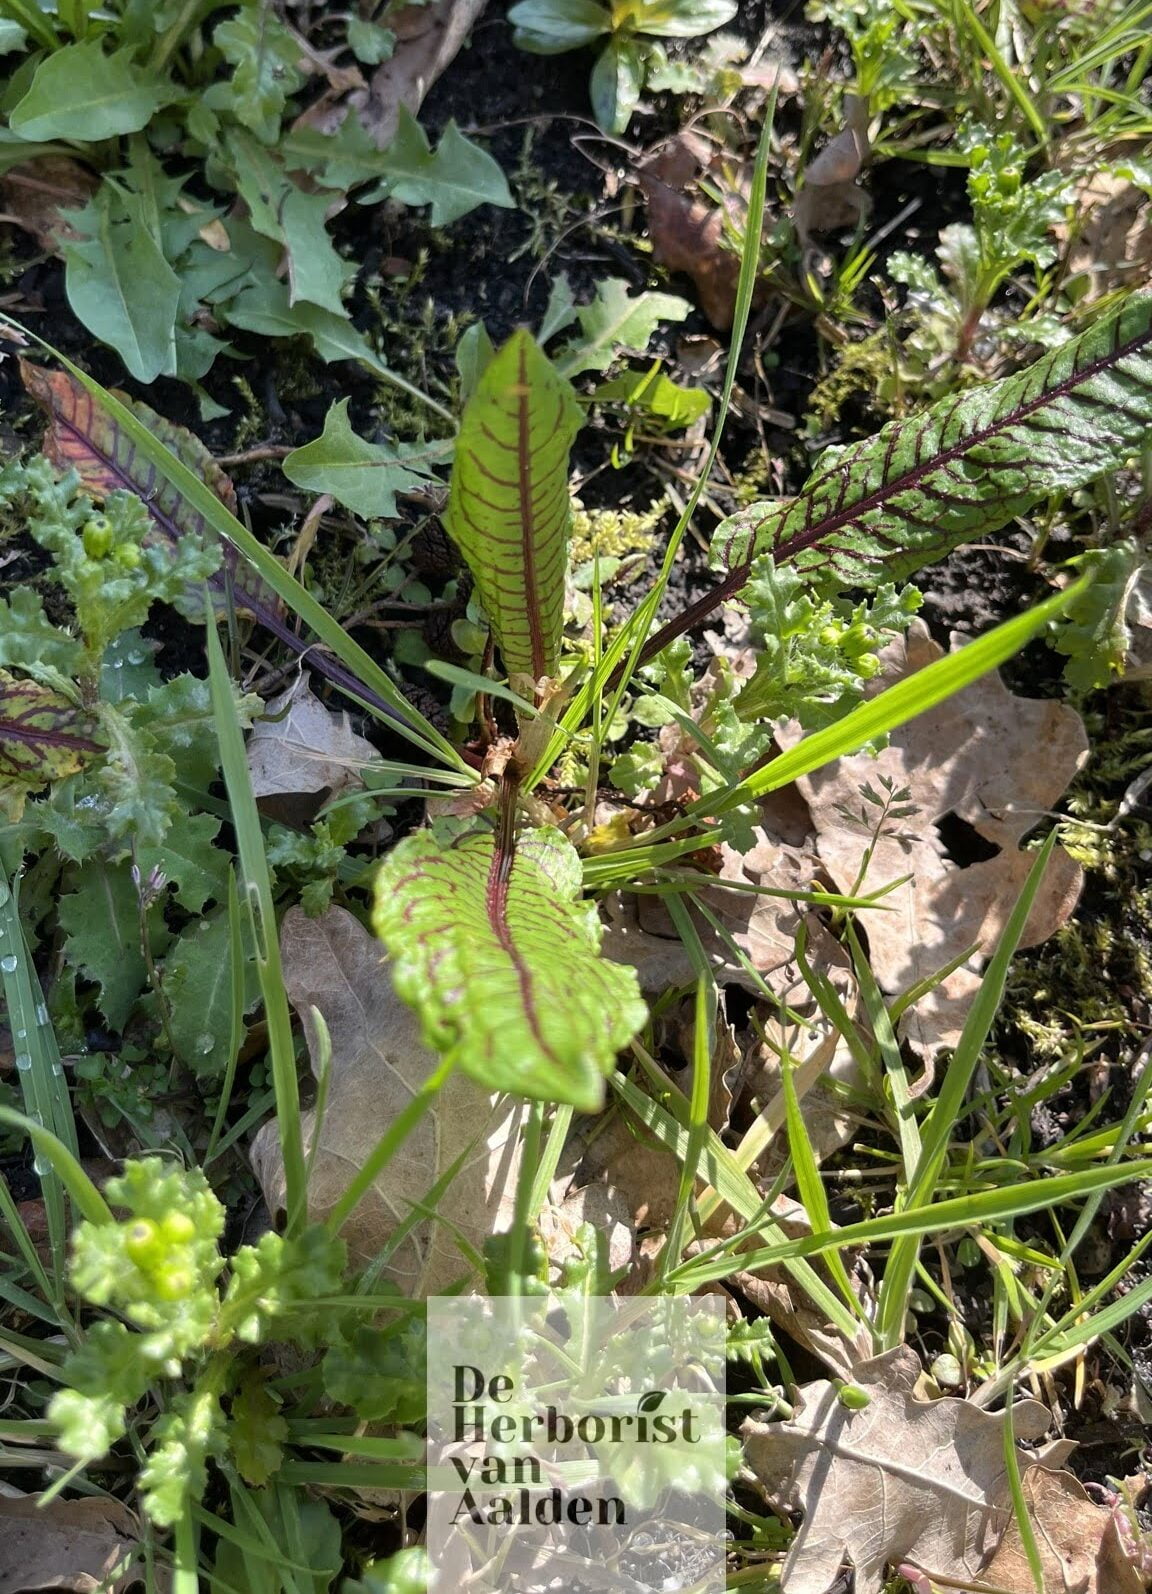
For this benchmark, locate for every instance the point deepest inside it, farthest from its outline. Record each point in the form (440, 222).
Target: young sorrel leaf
(43, 737)
(509, 508)
(454, 180)
(503, 966)
(614, 320)
(80, 92)
(119, 282)
(881, 508)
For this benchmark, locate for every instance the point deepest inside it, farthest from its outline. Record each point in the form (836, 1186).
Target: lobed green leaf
(365, 477)
(453, 180)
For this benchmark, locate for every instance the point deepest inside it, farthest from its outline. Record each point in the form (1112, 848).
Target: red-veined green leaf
(503, 967)
(957, 472)
(509, 508)
(82, 436)
(43, 737)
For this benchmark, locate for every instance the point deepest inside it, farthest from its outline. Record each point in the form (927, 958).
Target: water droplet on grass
(23, 1061)
(9, 962)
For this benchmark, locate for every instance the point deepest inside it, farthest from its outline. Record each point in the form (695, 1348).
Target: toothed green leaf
(613, 321)
(79, 92)
(365, 477)
(879, 509)
(266, 59)
(454, 180)
(198, 986)
(28, 638)
(102, 925)
(509, 509)
(1097, 631)
(506, 977)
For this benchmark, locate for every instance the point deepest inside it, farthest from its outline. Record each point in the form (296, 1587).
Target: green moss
(549, 210)
(863, 367)
(754, 481)
(253, 424)
(418, 341)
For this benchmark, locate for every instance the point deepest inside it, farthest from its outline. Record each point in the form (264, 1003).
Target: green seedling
(631, 31)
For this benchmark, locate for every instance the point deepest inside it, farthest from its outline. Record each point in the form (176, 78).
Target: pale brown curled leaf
(981, 770)
(77, 1545)
(1076, 1538)
(687, 230)
(900, 1480)
(334, 965)
(299, 746)
(829, 196)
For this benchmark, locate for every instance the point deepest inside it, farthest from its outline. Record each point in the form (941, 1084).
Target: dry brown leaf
(607, 1210)
(774, 1291)
(378, 1063)
(34, 193)
(686, 230)
(300, 747)
(824, 1069)
(1077, 1549)
(992, 761)
(1111, 236)
(829, 197)
(640, 930)
(899, 1481)
(428, 39)
(66, 1544)
(764, 926)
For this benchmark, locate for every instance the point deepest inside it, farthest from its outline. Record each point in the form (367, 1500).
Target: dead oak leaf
(79, 1545)
(979, 768)
(779, 1296)
(334, 967)
(1079, 1547)
(1110, 241)
(899, 1481)
(299, 747)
